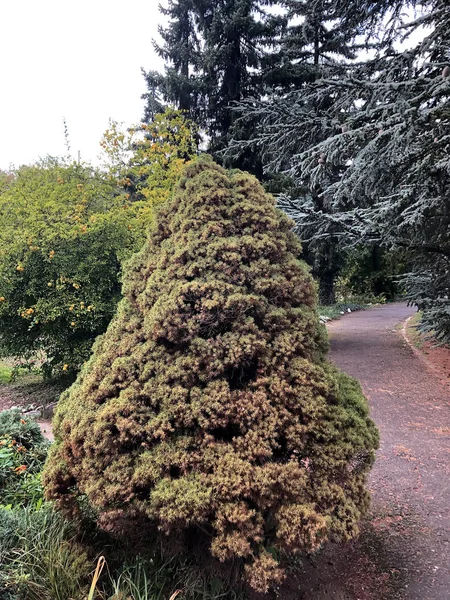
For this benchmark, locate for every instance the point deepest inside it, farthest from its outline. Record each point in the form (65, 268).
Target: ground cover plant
(23, 451)
(208, 412)
(41, 558)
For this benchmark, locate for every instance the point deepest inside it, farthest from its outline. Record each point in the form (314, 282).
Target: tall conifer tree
(180, 50)
(314, 40)
(214, 53)
(386, 133)
(318, 43)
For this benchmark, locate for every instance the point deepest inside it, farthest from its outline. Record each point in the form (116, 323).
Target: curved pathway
(410, 481)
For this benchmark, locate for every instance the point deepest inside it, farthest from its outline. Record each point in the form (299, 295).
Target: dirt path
(32, 393)
(403, 552)
(410, 482)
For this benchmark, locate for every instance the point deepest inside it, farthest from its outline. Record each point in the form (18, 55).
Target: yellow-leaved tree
(66, 230)
(147, 160)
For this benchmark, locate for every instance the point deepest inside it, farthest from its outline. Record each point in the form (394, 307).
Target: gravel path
(410, 481)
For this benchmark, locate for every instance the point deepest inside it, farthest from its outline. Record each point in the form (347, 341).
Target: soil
(31, 393)
(437, 358)
(28, 391)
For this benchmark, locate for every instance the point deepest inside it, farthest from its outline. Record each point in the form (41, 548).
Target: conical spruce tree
(209, 406)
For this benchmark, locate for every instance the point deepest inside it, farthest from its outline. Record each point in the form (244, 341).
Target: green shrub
(66, 230)
(24, 430)
(370, 275)
(23, 451)
(209, 410)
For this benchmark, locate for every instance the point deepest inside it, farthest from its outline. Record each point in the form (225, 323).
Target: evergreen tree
(235, 34)
(386, 133)
(209, 410)
(154, 103)
(213, 52)
(181, 51)
(313, 41)
(317, 44)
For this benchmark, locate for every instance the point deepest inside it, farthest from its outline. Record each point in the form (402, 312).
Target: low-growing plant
(23, 451)
(26, 491)
(144, 578)
(5, 374)
(40, 558)
(334, 311)
(24, 430)
(139, 581)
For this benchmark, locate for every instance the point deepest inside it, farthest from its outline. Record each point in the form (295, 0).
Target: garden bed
(436, 356)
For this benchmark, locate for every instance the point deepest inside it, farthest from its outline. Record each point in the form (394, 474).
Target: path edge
(435, 370)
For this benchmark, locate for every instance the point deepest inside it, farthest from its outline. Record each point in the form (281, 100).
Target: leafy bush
(370, 275)
(209, 411)
(64, 233)
(23, 451)
(24, 430)
(148, 160)
(66, 230)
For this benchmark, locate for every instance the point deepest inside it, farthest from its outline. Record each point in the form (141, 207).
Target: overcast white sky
(79, 60)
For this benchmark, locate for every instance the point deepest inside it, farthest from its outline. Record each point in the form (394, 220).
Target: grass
(413, 333)
(9, 372)
(331, 312)
(5, 373)
(45, 557)
(335, 311)
(40, 558)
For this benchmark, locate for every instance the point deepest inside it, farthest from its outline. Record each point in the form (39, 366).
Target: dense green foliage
(25, 431)
(270, 53)
(147, 160)
(64, 233)
(45, 557)
(39, 557)
(23, 451)
(214, 54)
(66, 230)
(208, 407)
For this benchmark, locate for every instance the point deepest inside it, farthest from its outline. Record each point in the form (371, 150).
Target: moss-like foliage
(209, 405)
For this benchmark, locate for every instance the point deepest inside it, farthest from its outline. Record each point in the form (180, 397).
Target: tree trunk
(326, 288)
